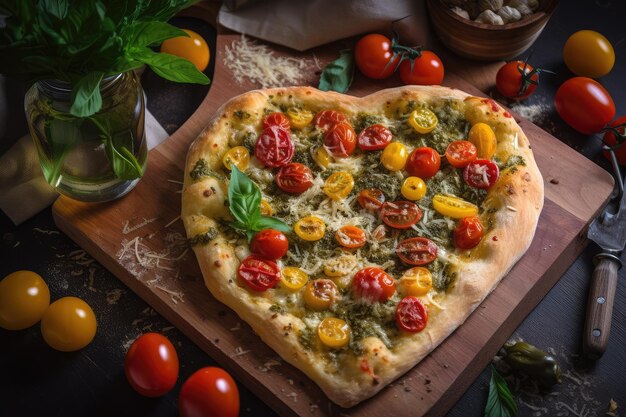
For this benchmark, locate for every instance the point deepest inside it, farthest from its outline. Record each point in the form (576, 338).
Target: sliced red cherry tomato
(269, 244)
(371, 199)
(151, 365)
(611, 140)
(350, 237)
(400, 214)
(460, 153)
(427, 69)
(294, 178)
(276, 119)
(374, 56)
(274, 147)
(411, 315)
(208, 392)
(517, 80)
(373, 284)
(584, 105)
(259, 274)
(340, 140)
(481, 173)
(327, 118)
(374, 137)
(417, 251)
(468, 232)
(423, 163)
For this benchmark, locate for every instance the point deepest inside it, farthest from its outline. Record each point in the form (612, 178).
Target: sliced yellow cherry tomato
(413, 188)
(338, 267)
(333, 332)
(293, 278)
(24, 297)
(320, 294)
(339, 185)
(423, 120)
(416, 281)
(310, 228)
(266, 209)
(453, 207)
(394, 156)
(299, 118)
(483, 137)
(238, 156)
(322, 157)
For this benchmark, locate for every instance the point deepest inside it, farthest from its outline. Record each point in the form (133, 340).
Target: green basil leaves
(244, 199)
(338, 75)
(500, 402)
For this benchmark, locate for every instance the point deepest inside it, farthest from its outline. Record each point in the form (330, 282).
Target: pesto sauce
(368, 319)
(201, 169)
(204, 238)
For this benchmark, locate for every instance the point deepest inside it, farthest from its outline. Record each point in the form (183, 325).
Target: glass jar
(95, 158)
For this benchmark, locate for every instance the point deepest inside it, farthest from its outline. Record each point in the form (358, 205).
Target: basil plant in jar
(85, 106)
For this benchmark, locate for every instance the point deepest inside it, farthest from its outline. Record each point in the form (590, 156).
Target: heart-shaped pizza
(355, 234)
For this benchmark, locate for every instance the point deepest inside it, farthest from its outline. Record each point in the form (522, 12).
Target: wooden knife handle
(600, 305)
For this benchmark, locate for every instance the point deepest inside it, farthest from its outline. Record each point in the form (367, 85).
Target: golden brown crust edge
(521, 191)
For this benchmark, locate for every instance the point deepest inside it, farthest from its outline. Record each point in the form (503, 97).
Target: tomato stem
(619, 136)
(527, 77)
(405, 52)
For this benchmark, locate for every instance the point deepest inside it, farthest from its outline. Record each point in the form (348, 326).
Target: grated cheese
(127, 229)
(249, 60)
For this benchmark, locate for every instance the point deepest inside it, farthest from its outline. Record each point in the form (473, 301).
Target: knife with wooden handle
(609, 232)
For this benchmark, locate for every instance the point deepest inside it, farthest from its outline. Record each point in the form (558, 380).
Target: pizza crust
(517, 198)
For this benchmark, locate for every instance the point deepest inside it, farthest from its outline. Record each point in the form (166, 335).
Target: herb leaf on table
(500, 402)
(338, 75)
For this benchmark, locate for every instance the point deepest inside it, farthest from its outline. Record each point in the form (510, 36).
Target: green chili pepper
(534, 362)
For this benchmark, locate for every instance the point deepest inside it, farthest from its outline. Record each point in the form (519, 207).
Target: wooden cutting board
(140, 239)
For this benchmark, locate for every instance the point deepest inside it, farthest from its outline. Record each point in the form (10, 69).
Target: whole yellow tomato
(24, 297)
(68, 324)
(193, 48)
(589, 54)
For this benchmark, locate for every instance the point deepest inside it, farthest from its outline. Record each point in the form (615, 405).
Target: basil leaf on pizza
(386, 220)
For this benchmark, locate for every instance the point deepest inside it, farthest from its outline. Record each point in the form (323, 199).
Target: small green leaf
(149, 33)
(500, 402)
(272, 223)
(338, 75)
(244, 197)
(169, 67)
(57, 8)
(63, 136)
(86, 98)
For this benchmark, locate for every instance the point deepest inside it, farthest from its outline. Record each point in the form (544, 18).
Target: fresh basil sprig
(500, 402)
(338, 75)
(244, 199)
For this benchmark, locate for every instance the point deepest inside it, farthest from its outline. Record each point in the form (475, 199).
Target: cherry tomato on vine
(400, 214)
(69, 324)
(468, 232)
(209, 392)
(517, 80)
(481, 173)
(325, 119)
(269, 244)
(374, 137)
(276, 119)
(371, 199)
(411, 315)
(24, 298)
(417, 251)
(151, 365)
(423, 163)
(192, 48)
(259, 274)
(294, 178)
(611, 140)
(584, 105)
(375, 57)
(589, 54)
(340, 140)
(427, 69)
(373, 284)
(274, 147)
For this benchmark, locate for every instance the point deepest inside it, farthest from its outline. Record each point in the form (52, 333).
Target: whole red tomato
(151, 365)
(427, 69)
(209, 392)
(517, 80)
(269, 244)
(584, 105)
(611, 140)
(374, 56)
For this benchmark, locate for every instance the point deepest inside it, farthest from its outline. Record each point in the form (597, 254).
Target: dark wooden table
(37, 380)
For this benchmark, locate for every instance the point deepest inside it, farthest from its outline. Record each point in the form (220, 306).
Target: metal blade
(609, 229)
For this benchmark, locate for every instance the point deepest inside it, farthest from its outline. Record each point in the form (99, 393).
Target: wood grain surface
(140, 240)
